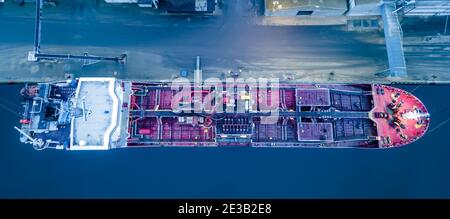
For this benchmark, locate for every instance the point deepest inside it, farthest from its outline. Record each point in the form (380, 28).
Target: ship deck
(307, 115)
(412, 116)
(103, 113)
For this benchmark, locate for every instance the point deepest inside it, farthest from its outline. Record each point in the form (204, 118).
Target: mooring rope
(438, 126)
(10, 110)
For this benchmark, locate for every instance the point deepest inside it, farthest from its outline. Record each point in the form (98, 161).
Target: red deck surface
(314, 97)
(316, 132)
(165, 100)
(175, 131)
(397, 125)
(412, 114)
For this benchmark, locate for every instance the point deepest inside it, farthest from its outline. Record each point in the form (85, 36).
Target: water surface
(419, 170)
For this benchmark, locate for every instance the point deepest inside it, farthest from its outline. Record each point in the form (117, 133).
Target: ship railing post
(198, 74)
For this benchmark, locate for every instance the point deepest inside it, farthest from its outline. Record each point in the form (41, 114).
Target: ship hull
(105, 113)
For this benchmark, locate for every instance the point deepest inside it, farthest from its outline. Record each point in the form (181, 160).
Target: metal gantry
(394, 40)
(36, 55)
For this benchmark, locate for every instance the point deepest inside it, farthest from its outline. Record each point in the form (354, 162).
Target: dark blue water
(416, 171)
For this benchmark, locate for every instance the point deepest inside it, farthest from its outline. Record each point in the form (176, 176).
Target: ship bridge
(98, 101)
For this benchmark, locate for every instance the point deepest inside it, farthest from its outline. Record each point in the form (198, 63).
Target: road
(426, 60)
(159, 46)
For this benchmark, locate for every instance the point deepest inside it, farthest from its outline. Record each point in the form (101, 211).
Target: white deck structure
(99, 103)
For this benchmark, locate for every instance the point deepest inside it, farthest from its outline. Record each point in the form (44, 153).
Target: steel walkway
(394, 43)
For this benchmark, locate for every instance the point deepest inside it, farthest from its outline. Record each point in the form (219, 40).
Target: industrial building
(174, 6)
(318, 12)
(305, 7)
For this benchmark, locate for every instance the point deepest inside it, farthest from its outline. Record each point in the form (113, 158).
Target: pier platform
(159, 46)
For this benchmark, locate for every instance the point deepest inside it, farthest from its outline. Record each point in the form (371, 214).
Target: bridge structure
(394, 40)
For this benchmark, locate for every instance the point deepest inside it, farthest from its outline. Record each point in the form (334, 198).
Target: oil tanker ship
(107, 113)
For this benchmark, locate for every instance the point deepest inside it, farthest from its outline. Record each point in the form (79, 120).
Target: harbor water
(418, 170)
